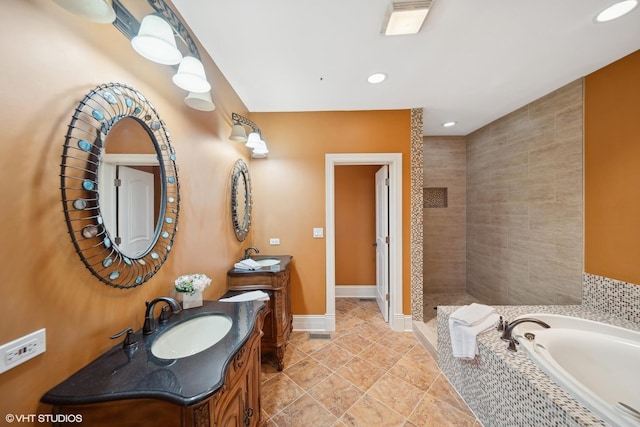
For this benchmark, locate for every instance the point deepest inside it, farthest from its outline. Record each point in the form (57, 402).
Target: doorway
(394, 163)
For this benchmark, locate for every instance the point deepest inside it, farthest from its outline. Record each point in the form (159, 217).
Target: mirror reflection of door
(131, 189)
(136, 219)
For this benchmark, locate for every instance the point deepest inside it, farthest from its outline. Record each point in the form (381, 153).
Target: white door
(136, 219)
(382, 240)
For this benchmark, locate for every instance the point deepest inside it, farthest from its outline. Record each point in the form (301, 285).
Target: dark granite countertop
(272, 269)
(119, 375)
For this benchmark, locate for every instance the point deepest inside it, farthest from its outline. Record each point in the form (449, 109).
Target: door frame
(394, 161)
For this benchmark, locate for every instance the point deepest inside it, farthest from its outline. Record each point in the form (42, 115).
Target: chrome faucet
(508, 329)
(247, 252)
(150, 323)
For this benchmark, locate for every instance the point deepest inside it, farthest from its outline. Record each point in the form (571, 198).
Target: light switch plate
(318, 233)
(274, 241)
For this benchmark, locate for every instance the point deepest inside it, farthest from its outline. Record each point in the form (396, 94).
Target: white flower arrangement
(192, 283)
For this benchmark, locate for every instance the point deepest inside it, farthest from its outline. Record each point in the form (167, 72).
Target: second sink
(191, 336)
(268, 262)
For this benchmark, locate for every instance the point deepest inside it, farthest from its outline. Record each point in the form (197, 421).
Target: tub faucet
(508, 329)
(150, 322)
(247, 252)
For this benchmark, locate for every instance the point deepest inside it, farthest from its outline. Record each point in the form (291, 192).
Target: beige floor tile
(401, 342)
(336, 394)
(368, 412)
(397, 394)
(353, 342)
(382, 357)
(333, 356)
(278, 393)
(441, 389)
(293, 355)
(432, 412)
(305, 411)
(361, 373)
(414, 373)
(307, 373)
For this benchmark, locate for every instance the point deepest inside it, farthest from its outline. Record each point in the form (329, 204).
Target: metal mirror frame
(91, 122)
(241, 226)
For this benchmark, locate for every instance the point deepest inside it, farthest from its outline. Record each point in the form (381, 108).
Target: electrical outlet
(22, 349)
(274, 241)
(318, 233)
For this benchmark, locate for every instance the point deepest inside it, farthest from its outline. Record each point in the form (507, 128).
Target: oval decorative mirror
(241, 199)
(120, 190)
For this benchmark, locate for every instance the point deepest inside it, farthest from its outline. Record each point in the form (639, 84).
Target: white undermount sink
(191, 336)
(268, 262)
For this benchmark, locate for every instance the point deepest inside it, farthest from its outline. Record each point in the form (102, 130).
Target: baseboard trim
(312, 323)
(355, 291)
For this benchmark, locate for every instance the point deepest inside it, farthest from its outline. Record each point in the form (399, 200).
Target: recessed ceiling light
(448, 124)
(616, 10)
(377, 78)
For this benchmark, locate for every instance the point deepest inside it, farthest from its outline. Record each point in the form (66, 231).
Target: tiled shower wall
(444, 225)
(524, 203)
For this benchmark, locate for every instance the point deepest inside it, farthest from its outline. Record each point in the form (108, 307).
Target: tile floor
(364, 374)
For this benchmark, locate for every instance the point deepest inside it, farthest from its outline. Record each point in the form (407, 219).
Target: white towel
(463, 337)
(472, 314)
(247, 264)
(248, 296)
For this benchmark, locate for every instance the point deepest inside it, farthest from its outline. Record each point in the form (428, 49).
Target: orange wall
(290, 187)
(355, 204)
(612, 170)
(55, 59)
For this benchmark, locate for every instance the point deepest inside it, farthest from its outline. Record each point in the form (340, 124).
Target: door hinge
(386, 297)
(386, 240)
(386, 182)
(117, 182)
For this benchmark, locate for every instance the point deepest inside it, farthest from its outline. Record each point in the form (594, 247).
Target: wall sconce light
(94, 10)
(156, 42)
(200, 101)
(190, 76)
(254, 141)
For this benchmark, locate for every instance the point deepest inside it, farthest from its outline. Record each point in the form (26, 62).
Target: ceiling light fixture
(94, 10)
(616, 10)
(377, 78)
(156, 42)
(405, 17)
(448, 124)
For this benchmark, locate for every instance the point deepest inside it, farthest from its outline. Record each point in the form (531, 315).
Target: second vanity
(273, 279)
(219, 386)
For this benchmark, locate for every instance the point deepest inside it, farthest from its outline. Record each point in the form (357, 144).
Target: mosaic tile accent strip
(507, 389)
(417, 176)
(611, 296)
(434, 197)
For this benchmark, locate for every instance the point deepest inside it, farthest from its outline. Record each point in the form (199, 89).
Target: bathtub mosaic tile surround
(615, 297)
(507, 389)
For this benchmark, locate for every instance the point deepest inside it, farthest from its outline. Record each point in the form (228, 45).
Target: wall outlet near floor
(274, 241)
(22, 349)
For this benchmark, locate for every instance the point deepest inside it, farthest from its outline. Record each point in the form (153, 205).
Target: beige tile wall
(444, 228)
(524, 203)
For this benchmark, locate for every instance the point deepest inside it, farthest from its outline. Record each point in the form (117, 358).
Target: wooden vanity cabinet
(235, 404)
(278, 321)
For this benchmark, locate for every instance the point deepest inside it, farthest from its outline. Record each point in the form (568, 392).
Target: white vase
(191, 301)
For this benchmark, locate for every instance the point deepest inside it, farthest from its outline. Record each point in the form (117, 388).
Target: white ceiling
(472, 62)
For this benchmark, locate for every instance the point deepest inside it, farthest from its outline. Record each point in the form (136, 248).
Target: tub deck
(505, 388)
